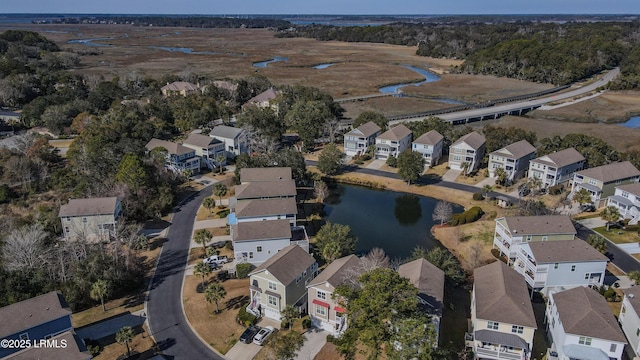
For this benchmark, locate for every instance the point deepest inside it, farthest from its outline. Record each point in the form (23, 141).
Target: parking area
(242, 351)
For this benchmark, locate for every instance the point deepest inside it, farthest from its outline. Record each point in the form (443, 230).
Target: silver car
(263, 334)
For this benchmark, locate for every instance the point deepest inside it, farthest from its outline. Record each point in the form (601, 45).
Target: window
(251, 255)
(545, 238)
(492, 325)
(304, 273)
(84, 220)
(457, 158)
(573, 268)
(638, 332)
(321, 295)
(586, 276)
(612, 348)
(68, 219)
(584, 340)
(555, 266)
(298, 278)
(625, 194)
(272, 300)
(273, 286)
(24, 336)
(517, 329)
(259, 249)
(529, 237)
(321, 310)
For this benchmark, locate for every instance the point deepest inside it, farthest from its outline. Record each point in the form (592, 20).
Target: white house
(629, 318)
(266, 189)
(236, 140)
(581, 326)
(266, 209)
(601, 181)
(556, 168)
(512, 231)
(469, 149)
(92, 219)
(627, 200)
(280, 281)
(502, 319)
(513, 158)
(560, 265)
(430, 146)
(256, 241)
(207, 148)
(393, 141)
(178, 158)
(358, 140)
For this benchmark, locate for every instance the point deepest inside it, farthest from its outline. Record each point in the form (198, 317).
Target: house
(511, 231)
(251, 175)
(358, 140)
(226, 85)
(265, 99)
(178, 158)
(429, 280)
(601, 181)
(469, 149)
(266, 209)
(430, 146)
(560, 265)
(581, 326)
(393, 142)
(266, 189)
(627, 200)
(629, 318)
(236, 140)
(65, 346)
(208, 149)
(92, 219)
(325, 310)
(514, 159)
(41, 317)
(182, 88)
(280, 281)
(502, 318)
(556, 168)
(256, 241)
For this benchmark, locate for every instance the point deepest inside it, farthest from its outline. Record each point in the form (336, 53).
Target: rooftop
(366, 129)
(261, 230)
(287, 264)
(226, 132)
(266, 95)
(265, 174)
(630, 188)
(180, 86)
(428, 278)
(564, 251)
(540, 225)
(430, 138)
(633, 296)
(561, 158)
(473, 139)
(73, 350)
(339, 271)
(89, 206)
(261, 189)
(171, 147)
(516, 150)
(200, 140)
(396, 133)
(266, 207)
(611, 172)
(32, 312)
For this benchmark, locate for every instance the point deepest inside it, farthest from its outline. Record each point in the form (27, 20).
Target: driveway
(242, 351)
(376, 164)
(451, 175)
(315, 340)
(111, 326)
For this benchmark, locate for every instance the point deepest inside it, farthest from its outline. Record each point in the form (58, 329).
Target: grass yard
(618, 236)
(470, 243)
(141, 344)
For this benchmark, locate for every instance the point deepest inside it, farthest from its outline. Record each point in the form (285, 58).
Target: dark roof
(265, 174)
(496, 337)
(561, 158)
(266, 207)
(366, 129)
(611, 172)
(261, 189)
(426, 277)
(516, 150)
(287, 264)
(74, 350)
(430, 138)
(540, 225)
(585, 312)
(261, 230)
(32, 312)
(171, 147)
(472, 139)
(396, 133)
(89, 207)
(502, 295)
(200, 140)
(224, 131)
(336, 273)
(564, 251)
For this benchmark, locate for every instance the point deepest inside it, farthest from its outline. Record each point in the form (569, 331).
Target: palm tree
(465, 167)
(202, 269)
(202, 236)
(535, 183)
(214, 293)
(487, 189)
(125, 336)
(288, 315)
(188, 173)
(220, 159)
(582, 196)
(634, 275)
(99, 291)
(610, 214)
(501, 174)
(219, 190)
(209, 204)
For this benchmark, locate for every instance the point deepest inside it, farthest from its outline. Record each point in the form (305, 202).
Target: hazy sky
(323, 6)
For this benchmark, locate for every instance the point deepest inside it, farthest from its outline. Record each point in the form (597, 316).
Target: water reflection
(408, 210)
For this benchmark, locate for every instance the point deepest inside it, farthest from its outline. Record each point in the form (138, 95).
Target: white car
(263, 334)
(212, 261)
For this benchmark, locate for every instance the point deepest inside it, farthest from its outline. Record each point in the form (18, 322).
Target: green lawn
(618, 236)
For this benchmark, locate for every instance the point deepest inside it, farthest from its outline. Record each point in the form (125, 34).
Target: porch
(488, 344)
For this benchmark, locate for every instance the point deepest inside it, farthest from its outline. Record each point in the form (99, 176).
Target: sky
(391, 7)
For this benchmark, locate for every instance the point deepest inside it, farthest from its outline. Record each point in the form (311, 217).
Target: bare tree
(321, 190)
(24, 248)
(376, 258)
(332, 128)
(475, 252)
(442, 212)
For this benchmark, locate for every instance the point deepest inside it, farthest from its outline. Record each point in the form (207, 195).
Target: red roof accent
(321, 303)
(339, 309)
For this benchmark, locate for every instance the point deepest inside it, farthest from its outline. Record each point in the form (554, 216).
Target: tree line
(178, 21)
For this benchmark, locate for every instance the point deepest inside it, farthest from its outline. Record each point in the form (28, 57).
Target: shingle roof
(585, 312)
(261, 230)
(502, 295)
(561, 158)
(224, 131)
(336, 273)
(564, 251)
(260, 189)
(180, 86)
(227, 85)
(396, 133)
(266, 207)
(426, 277)
(32, 312)
(73, 350)
(366, 129)
(540, 225)
(516, 150)
(265, 174)
(633, 296)
(611, 172)
(200, 140)
(430, 138)
(630, 188)
(287, 264)
(89, 206)
(171, 147)
(267, 95)
(472, 139)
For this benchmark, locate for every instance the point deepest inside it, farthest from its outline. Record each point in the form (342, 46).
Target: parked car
(587, 208)
(220, 259)
(212, 261)
(263, 334)
(248, 335)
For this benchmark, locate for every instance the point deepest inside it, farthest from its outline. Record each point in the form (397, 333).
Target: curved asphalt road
(167, 322)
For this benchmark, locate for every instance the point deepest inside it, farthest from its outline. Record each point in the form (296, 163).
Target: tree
(610, 214)
(598, 242)
(220, 159)
(321, 190)
(214, 293)
(131, 172)
(336, 233)
(410, 165)
(125, 336)
(634, 275)
(24, 248)
(376, 258)
(443, 211)
(582, 196)
(330, 160)
(308, 118)
(262, 123)
(501, 175)
(412, 338)
(209, 204)
(373, 116)
(202, 269)
(331, 251)
(99, 291)
(202, 236)
(219, 190)
(535, 183)
(286, 346)
(288, 315)
(487, 189)
(465, 168)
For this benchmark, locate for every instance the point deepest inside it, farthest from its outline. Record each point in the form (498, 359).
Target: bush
(478, 196)
(223, 214)
(365, 157)
(609, 294)
(556, 189)
(466, 217)
(330, 338)
(306, 323)
(244, 317)
(392, 161)
(93, 347)
(358, 162)
(243, 270)
(492, 215)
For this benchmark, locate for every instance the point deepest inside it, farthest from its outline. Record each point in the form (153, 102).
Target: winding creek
(632, 123)
(263, 64)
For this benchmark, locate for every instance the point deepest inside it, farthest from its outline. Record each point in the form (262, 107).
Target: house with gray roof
(266, 209)
(236, 140)
(502, 319)
(629, 318)
(358, 140)
(513, 158)
(65, 346)
(91, 219)
(627, 200)
(255, 242)
(280, 281)
(266, 189)
(556, 168)
(468, 149)
(601, 181)
(178, 158)
(581, 326)
(393, 142)
(182, 88)
(208, 149)
(265, 100)
(429, 145)
(248, 175)
(560, 265)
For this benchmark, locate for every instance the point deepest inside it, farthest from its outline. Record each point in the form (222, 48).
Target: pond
(633, 123)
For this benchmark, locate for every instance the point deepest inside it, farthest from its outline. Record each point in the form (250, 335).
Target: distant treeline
(557, 53)
(179, 21)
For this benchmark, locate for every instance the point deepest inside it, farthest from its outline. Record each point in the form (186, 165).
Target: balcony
(489, 353)
(489, 344)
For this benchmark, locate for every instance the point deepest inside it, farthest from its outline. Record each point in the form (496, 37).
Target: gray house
(513, 158)
(92, 219)
(429, 145)
(393, 142)
(556, 168)
(468, 149)
(601, 181)
(178, 158)
(74, 349)
(207, 148)
(358, 140)
(236, 140)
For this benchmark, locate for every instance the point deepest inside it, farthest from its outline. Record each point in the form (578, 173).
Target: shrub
(466, 217)
(492, 215)
(358, 162)
(244, 317)
(306, 323)
(478, 196)
(330, 338)
(93, 347)
(365, 157)
(392, 161)
(243, 270)
(556, 189)
(223, 213)
(609, 294)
